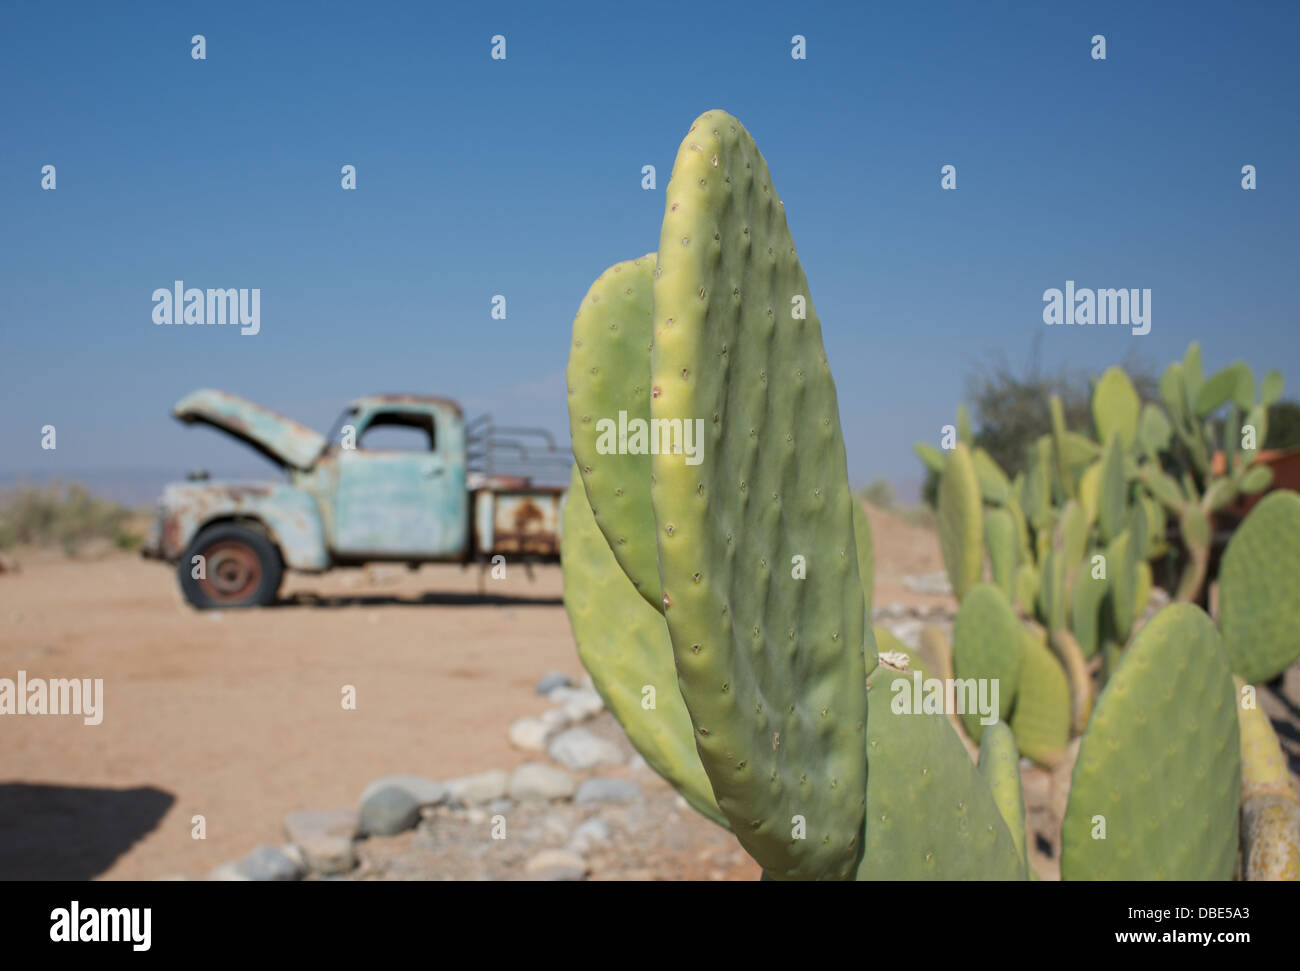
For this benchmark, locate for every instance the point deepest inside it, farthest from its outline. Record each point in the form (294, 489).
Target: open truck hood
(280, 439)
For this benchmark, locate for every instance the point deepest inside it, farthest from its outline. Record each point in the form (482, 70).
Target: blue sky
(522, 177)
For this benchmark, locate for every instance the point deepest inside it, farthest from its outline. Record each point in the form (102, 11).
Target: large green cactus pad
(624, 644)
(1259, 612)
(987, 645)
(609, 374)
(1115, 407)
(1160, 762)
(1000, 539)
(961, 521)
(930, 814)
(999, 764)
(1041, 721)
(771, 667)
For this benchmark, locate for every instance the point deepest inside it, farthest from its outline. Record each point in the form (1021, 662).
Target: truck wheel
(241, 568)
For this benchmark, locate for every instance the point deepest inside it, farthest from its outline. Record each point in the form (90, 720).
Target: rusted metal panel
(523, 521)
(372, 402)
(280, 439)
(288, 514)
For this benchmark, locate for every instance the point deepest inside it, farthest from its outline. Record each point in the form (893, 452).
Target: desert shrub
(879, 493)
(1283, 425)
(58, 514)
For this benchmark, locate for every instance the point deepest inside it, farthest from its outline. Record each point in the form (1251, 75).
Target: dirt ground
(236, 715)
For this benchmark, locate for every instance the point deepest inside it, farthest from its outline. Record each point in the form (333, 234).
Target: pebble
(472, 790)
(931, 583)
(908, 631)
(500, 806)
(533, 782)
(552, 680)
(592, 832)
(270, 863)
(578, 704)
(556, 865)
(303, 824)
(580, 750)
(328, 855)
(389, 811)
(530, 734)
(228, 871)
(425, 792)
(608, 790)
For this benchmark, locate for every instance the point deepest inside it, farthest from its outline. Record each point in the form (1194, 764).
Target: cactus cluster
(731, 587)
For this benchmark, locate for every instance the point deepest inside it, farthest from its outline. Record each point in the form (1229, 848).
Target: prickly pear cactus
(609, 376)
(866, 553)
(624, 644)
(1258, 580)
(987, 645)
(1115, 407)
(1041, 720)
(961, 521)
(1270, 811)
(1000, 539)
(930, 815)
(999, 764)
(1159, 769)
(771, 667)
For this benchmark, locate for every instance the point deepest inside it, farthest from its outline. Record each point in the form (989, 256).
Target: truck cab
(401, 477)
(392, 481)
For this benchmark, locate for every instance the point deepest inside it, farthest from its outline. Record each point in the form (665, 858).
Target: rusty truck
(456, 491)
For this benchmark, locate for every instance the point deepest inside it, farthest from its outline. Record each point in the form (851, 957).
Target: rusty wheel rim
(233, 571)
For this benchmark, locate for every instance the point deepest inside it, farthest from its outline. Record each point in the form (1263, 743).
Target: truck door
(398, 493)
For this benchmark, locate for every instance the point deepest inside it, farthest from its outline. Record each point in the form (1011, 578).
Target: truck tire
(241, 568)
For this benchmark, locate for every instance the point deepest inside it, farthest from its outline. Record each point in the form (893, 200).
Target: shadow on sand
(50, 832)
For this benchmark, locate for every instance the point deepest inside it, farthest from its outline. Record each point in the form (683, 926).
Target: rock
(500, 806)
(581, 705)
(908, 631)
(637, 763)
(303, 824)
(424, 791)
(555, 719)
(530, 734)
(270, 863)
(556, 865)
(534, 782)
(228, 871)
(584, 702)
(593, 832)
(608, 790)
(327, 854)
(472, 790)
(552, 680)
(389, 811)
(931, 583)
(580, 750)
